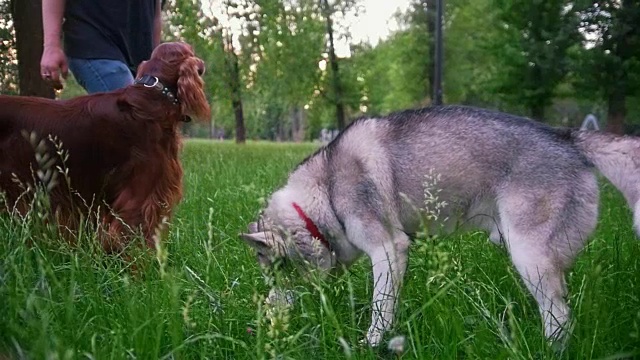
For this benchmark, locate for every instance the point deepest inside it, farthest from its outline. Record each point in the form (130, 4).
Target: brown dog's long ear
(139, 73)
(193, 101)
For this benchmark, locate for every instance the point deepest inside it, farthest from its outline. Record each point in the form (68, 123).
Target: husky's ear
(253, 227)
(256, 240)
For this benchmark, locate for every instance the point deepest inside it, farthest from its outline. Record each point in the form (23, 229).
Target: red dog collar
(311, 227)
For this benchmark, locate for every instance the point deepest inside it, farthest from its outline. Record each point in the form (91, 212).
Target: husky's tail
(618, 159)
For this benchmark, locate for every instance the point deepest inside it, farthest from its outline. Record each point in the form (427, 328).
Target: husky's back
(475, 156)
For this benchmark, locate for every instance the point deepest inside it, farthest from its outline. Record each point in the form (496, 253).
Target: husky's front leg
(389, 262)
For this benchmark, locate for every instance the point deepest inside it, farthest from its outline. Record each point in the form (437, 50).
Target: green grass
(202, 296)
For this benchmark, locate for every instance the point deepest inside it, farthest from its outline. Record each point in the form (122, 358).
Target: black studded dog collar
(153, 82)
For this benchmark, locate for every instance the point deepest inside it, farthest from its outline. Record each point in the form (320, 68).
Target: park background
(285, 70)
(272, 75)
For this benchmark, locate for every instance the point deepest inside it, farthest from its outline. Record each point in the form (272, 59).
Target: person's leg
(100, 75)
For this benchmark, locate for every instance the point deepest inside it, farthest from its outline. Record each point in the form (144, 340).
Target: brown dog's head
(177, 67)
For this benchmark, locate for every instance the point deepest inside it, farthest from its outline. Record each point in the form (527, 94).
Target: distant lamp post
(437, 77)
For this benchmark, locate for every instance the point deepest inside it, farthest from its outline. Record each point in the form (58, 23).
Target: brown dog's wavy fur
(123, 147)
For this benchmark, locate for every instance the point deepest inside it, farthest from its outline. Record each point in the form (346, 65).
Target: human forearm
(52, 14)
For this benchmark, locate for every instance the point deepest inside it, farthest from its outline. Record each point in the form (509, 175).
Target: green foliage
(395, 74)
(610, 57)
(202, 295)
(286, 51)
(531, 50)
(559, 58)
(8, 59)
(387, 82)
(284, 58)
(471, 71)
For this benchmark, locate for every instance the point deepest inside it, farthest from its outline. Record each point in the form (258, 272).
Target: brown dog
(116, 151)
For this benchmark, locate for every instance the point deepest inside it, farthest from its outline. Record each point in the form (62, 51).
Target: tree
(471, 72)
(237, 9)
(392, 75)
(422, 21)
(8, 61)
(329, 11)
(27, 17)
(396, 73)
(284, 54)
(215, 43)
(532, 50)
(608, 65)
(233, 69)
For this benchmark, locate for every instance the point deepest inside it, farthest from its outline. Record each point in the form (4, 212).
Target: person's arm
(54, 61)
(157, 24)
(52, 13)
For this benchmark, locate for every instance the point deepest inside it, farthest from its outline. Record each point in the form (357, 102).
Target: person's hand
(53, 65)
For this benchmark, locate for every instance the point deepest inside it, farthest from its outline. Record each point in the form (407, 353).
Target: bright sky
(375, 21)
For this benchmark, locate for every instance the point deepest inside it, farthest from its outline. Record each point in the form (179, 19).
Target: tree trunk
(335, 69)
(27, 18)
(539, 98)
(212, 126)
(616, 111)
(297, 124)
(236, 100)
(537, 111)
(237, 110)
(231, 63)
(431, 29)
(623, 38)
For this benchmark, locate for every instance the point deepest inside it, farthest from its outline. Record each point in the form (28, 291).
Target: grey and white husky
(530, 186)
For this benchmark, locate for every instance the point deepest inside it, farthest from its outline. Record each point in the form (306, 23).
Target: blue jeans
(100, 75)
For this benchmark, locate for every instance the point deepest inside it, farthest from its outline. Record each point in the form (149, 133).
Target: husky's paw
(279, 297)
(374, 337)
(558, 346)
(559, 340)
(395, 346)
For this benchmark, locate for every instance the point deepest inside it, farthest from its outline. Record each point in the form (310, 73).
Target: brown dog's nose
(201, 67)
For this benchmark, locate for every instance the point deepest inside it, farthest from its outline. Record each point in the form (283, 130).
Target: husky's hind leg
(544, 231)
(544, 278)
